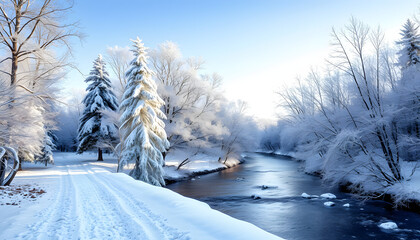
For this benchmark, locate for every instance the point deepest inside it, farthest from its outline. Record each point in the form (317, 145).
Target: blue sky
(255, 45)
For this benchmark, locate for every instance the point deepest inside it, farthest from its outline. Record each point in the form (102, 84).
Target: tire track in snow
(99, 219)
(59, 220)
(134, 209)
(92, 205)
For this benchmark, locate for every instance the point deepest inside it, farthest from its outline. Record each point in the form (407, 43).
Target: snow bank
(280, 153)
(197, 164)
(408, 189)
(191, 215)
(84, 200)
(403, 193)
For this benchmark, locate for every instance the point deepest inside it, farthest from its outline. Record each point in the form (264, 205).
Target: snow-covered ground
(197, 164)
(84, 200)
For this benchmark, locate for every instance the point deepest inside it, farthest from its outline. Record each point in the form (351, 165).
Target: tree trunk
(15, 47)
(100, 155)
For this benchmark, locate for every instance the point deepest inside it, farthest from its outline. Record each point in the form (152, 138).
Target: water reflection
(283, 212)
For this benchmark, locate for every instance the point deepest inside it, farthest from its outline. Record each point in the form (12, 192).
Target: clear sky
(256, 46)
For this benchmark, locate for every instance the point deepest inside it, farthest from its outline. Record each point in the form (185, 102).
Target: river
(282, 211)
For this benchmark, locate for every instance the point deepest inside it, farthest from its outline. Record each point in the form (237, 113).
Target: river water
(282, 211)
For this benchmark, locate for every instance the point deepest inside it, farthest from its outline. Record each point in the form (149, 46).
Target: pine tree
(409, 88)
(410, 42)
(95, 130)
(142, 130)
(49, 146)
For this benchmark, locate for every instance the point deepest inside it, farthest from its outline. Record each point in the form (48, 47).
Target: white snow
(357, 154)
(407, 189)
(142, 131)
(198, 163)
(388, 225)
(328, 196)
(84, 200)
(346, 205)
(305, 195)
(329, 204)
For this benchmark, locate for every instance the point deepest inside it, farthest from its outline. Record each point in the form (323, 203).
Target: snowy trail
(87, 201)
(59, 219)
(87, 208)
(137, 222)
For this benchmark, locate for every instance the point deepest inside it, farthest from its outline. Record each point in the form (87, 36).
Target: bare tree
(30, 32)
(118, 59)
(349, 122)
(191, 100)
(240, 127)
(351, 54)
(28, 27)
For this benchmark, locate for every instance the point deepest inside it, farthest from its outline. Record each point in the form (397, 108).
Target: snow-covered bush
(242, 132)
(49, 146)
(270, 139)
(358, 122)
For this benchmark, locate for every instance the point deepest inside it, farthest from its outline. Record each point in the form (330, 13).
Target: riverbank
(404, 196)
(195, 166)
(278, 206)
(412, 205)
(181, 166)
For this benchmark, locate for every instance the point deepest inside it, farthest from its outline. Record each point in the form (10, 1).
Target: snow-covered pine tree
(408, 90)
(49, 146)
(95, 130)
(143, 137)
(410, 42)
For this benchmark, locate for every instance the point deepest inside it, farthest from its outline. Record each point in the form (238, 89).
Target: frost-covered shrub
(359, 121)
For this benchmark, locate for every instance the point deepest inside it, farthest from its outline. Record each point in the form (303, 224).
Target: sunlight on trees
(31, 33)
(357, 122)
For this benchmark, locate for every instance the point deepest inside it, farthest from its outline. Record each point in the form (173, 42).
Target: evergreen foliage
(410, 42)
(95, 130)
(143, 138)
(48, 148)
(409, 91)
